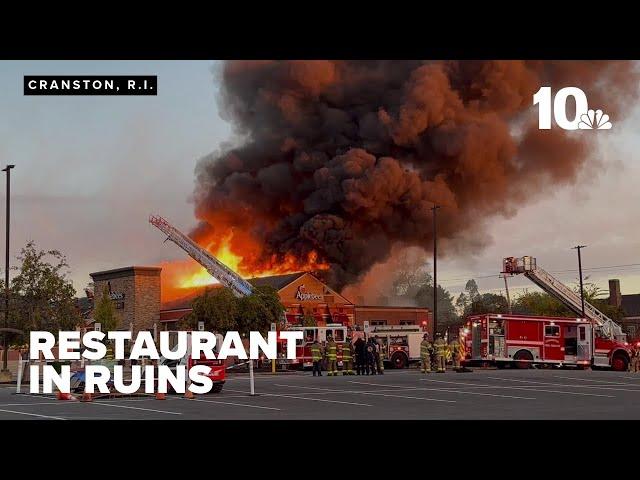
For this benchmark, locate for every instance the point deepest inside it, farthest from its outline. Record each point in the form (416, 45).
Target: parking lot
(404, 394)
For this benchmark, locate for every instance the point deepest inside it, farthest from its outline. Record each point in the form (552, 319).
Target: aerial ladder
(218, 270)
(547, 282)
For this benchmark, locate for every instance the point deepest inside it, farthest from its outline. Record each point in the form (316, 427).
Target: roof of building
(276, 281)
(392, 307)
(173, 315)
(631, 305)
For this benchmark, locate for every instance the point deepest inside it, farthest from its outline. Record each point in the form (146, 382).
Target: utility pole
(506, 288)
(435, 271)
(580, 247)
(5, 374)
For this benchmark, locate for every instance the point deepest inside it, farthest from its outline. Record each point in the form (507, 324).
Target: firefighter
(371, 356)
(456, 352)
(361, 355)
(316, 356)
(425, 353)
(347, 359)
(440, 347)
(332, 369)
(634, 365)
(379, 354)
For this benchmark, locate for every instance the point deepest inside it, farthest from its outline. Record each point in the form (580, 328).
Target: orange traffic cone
(161, 396)
(63, 396)
(87, 397)
(188, 394)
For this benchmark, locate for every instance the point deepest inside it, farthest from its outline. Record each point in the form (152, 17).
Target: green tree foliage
(222, 311)
(446, 311)
(488, 303)
(42, 298)
(105, 313)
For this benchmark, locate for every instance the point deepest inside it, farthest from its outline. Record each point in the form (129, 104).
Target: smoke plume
(343, 160)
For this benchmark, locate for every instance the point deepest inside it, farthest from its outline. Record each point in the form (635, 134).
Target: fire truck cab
(401, 343)
(303, 358)
(522, 341)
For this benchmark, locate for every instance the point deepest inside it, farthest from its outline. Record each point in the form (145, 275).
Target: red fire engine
(303, 347)
(520, 340)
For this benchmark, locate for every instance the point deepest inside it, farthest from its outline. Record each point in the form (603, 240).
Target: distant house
(630, 304)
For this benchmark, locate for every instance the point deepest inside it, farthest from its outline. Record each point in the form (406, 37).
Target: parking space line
(32, 414)
(603, 387)
(29, 404)
(446, 390)
(297, 396)
(227, 403)
(528, 388)
(317, 399)
(597, 381)
(135, 408)
(371, 393)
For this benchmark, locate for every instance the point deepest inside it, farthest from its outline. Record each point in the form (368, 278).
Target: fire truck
(217, 372)
(303, 358)
(401, 343)
(522, 341)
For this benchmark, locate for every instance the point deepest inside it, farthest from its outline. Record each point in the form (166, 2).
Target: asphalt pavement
(398, 394)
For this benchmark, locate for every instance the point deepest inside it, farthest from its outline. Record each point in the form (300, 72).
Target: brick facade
(135, 293)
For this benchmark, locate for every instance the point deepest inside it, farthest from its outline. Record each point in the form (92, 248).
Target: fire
(181, 277)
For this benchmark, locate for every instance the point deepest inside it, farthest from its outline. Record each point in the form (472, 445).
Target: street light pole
(435, 270)
(580, 247)
(4, 374)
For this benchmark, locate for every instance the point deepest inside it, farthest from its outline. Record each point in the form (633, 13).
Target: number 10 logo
(585, 118)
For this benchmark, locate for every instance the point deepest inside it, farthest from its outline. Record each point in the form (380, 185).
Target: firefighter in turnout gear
(332, 348)
(316, 357)
(456, 353)
(634, 365)
(440, 347)
(347, 357)
(379, 354)
(425, 354)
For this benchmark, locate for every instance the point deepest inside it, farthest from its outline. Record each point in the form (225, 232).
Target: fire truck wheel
(521, 357)
(217, 388)
(619, 363)
(399, 360)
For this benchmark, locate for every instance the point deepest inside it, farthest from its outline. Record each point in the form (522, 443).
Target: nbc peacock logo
(597, 120)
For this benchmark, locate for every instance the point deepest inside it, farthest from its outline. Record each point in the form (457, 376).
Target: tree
(105, 313)
(217, 308)
(447, 315)
(42, 296)
(222, 311)
(488, 303)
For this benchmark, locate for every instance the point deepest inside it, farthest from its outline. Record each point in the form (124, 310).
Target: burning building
(306, 298)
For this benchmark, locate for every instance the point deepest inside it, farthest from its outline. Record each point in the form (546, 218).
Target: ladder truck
(523, 340)
(227, 277)
(543, 279)
(218, 270)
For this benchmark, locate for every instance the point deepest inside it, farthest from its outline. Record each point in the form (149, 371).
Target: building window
(377, 323)
(407, 322)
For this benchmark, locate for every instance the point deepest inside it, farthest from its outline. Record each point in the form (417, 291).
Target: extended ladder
(557, 289)
(227, 277)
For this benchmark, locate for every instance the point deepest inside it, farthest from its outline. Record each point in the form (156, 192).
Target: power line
(557, 272)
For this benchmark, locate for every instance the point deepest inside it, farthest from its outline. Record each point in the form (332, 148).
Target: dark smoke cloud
(346, 158)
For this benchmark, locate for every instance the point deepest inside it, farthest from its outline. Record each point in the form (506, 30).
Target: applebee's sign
(302, 295)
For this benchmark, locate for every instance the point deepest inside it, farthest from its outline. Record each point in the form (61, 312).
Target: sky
(90, 170)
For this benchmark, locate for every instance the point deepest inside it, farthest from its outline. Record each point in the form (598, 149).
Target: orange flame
(181, 277)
